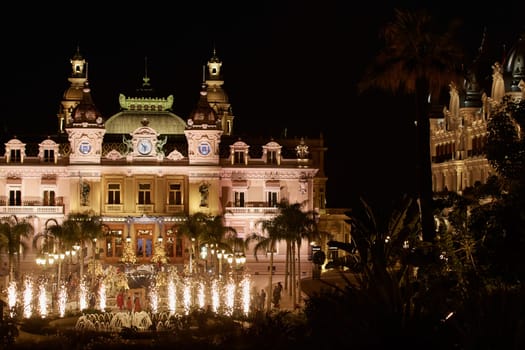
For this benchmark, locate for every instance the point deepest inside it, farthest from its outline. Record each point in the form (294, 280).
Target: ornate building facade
(459, 135)
(144, 170)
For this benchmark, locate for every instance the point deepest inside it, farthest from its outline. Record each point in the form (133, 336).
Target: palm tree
(13, 236)
(45, 242)
(55, 238)
(193, 229)
(220, 237)
(267, 241)
(81, 227)
(384, 294)
(292, 225)
(419, 60)
(296, 225)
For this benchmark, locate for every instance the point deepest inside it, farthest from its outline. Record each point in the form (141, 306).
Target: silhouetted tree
(419, 59)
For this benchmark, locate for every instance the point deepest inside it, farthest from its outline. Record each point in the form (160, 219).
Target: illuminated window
(15, 156)
(113, 193)
(239, 198)
(15, 197)
(49, 198)
(272, 198)
(114, 244)
(144, 244)
(144, 193)
(238, 157)
(271, 157)
(49, 156)
(174, 194)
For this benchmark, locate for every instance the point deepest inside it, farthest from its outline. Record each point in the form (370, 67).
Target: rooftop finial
(146, 78)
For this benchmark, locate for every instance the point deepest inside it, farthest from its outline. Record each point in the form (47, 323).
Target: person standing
(120, 300)
(262, 299)
(277, 295)
(129, 304)
(137, 304)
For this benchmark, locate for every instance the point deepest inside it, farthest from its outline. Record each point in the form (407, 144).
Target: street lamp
(204, 255)
(191, 254)
(45, 259)
(95, 253)
(59, 258)
(220, 256)
(239, 259)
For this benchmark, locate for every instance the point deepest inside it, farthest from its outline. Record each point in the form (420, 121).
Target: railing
(114, 208)
(174, 208)
(252, 210)
(144, 208)
(31, 210)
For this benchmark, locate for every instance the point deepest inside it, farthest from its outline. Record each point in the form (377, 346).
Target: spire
(145, 89)
(145, 66)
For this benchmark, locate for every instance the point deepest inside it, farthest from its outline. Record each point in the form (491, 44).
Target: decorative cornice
(283, 174)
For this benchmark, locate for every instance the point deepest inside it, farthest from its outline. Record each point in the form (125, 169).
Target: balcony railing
(114, 208)
(174, 208)
(252, 210)
(144, 208)
(31, 210)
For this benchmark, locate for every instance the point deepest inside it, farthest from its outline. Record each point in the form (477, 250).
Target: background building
(458, 134)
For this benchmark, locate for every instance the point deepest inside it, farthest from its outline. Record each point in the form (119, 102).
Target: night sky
(287, 65)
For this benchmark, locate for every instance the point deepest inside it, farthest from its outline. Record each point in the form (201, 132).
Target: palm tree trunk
(11, 268)
(298, 301)
(293, 275)
(81, 261)
(270, 289)
(423, 161)
(287, 266)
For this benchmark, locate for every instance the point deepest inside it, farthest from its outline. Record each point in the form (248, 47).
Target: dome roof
(156, 110)
(203, 113)
(86, 111)
(164, 122)
(73, 93)
(216, 95)
(514, 65)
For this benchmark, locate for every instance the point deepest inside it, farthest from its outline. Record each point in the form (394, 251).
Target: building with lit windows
(145, 169)
(459, 133)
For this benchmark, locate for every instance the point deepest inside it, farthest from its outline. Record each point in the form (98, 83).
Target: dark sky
(287, 64)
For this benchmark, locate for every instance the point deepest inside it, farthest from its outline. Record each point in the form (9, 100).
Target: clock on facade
(144, 146)
(204, 148)
(84, 147)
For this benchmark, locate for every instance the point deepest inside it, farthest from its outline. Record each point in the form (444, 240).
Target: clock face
(144, 147)
(84, 147)
(204, 148)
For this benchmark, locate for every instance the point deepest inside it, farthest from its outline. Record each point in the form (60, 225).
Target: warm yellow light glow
(62, 300)
(42, 301)
(172, 296)
(28, 297)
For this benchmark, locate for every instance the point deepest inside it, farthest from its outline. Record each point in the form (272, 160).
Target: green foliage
(505, 147)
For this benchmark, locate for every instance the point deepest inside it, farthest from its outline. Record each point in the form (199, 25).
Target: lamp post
(204, 255)
(191, 254)
(45, 260)
(95, 252)
(59, 257)
(220, 256)
(69, 255)
(239, 259)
